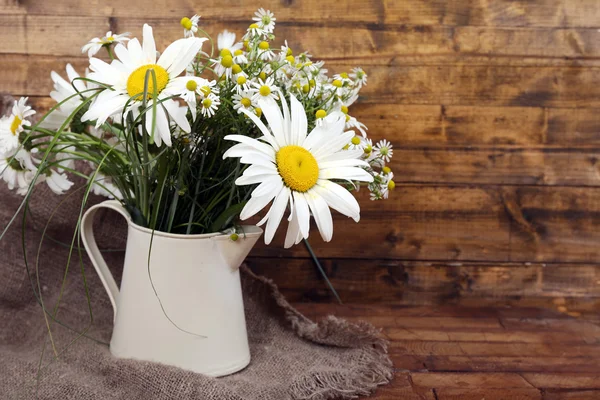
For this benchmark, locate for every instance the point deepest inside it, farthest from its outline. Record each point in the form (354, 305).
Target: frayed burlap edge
(374, 369)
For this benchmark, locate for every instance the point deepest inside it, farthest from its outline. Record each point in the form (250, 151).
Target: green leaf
(226, 216)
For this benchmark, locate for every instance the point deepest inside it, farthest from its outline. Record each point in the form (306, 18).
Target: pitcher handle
(89, 241)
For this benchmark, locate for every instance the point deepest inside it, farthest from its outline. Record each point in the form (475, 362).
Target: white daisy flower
(227, 47)
(242, 84)
(357, 143)
(243, 100)
(353, 123)
(94, 45)
(12, 126)
(264, 89)
(190, 25)
(239, 57)
(57, 182)
(210, 105)
(254, 31)
(265, 20)
(127, 76)
(264, 51)
(383, 150)
(343, 77)
(188, 88)
(296, 168)
(210, 87)
(75, 89)
(104, 186)
(17, 170)
(359, 76)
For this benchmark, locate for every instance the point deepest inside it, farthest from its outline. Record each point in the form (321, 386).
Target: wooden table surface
(477, 353)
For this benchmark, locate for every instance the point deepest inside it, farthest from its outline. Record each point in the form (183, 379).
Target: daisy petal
(320, 211)
(276, 213)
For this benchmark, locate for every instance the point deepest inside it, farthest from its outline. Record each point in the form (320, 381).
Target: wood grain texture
(493, 110)
(460, 353)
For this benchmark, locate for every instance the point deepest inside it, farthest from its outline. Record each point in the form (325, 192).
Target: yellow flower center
(345, 109)
(347, 118)
(15, 124)
(207, 103)
(263, 45)
(344, 75)
(246, 44)
(368, 149)
(241, 80)
(356, 140)
(253, 26)
(205, 90)
(246, 102)
(391, 185)
(258, 112)
(263, 76)
(236, 69)
(191, 85)
(238, 52)
(234, 237)
(386, 170)
(135, 82)
(298, 168)
(225, 52)
(305, 88)
(227, 61)
(110, 39)
(321, 114)
(265, 90)
(312, 83)
(289, 52)
(290, 59)
(186, 23)
(337, 83)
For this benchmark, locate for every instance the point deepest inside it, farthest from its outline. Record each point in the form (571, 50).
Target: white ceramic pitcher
(184, 307)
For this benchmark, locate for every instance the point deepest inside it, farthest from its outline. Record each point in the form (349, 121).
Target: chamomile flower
(242, 84)
(226, 44)
(299, 169)
(189, 88)
(209, 105)
(127, 75)
(239, 57)
(343, 77)
(254, 31)
(94, 45)
(383, 150)
(264, 51)
(357, 143)
(17, 170)
(265, 20)
(264, 89)
(359, 76)
(353, 123)
(12, 126)
(190, 25)
(243, 100)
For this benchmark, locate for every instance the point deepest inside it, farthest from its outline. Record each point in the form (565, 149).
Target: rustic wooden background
(493, 108)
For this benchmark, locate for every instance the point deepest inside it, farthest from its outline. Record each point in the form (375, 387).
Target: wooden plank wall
(493, 109)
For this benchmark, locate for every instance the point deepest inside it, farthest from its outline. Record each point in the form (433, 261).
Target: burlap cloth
(292, 357)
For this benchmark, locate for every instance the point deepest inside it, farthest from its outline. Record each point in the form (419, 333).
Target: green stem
(321, 270)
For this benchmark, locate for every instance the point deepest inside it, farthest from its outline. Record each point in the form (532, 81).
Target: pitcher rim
(246, 230)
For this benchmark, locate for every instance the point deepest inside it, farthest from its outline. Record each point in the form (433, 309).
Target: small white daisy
(359, 76)
(353, 123)
(94, 45)
(227, 47)
(383, 150)
(242, 84)
(188, 88)
(239, 57)
(210, 105)
(264, 51)
(264, 89)
(59, 183)
(254, 31)
(12, 126)
(17, 170)
(357, 143)
(343, 77)
(243, 100)
(265, 20)
(104, 186)
(190, 25)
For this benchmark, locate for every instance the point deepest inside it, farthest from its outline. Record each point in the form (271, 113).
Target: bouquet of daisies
(194, 139)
